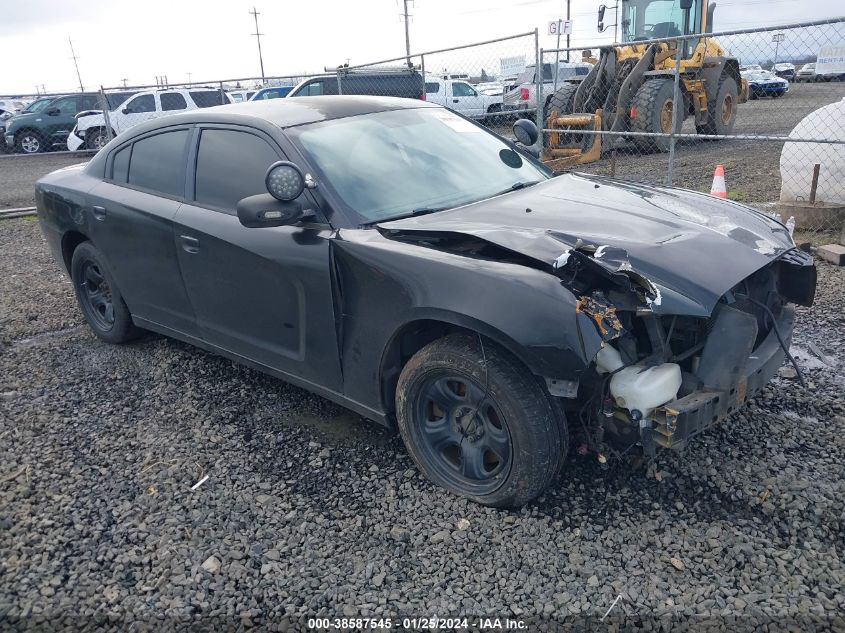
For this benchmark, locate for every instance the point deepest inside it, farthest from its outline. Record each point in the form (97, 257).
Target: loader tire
(562, 102)
(721, 111)
(652, 113)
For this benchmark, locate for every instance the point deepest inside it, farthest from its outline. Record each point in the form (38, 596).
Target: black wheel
(29, 142)
(96, 138)
(494, 114)
(653, 105)
(484, 430)
(99, 297)
(721, 110)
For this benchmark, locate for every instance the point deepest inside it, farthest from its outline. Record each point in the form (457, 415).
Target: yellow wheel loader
(631, 87)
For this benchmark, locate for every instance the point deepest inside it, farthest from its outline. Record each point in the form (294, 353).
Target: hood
(692, 247)
(23, 118)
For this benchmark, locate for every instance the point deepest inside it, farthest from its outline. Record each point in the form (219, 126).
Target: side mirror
(686, 5)
(126, 111)
(53, 112)
(264, 210)
(602, 9)
(526, 132)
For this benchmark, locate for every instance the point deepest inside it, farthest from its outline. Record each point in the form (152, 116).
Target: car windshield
(398, 162)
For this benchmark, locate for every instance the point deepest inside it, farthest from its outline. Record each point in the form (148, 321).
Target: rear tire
(653, 103)
(721, 111)
(99, 297)
(478, 423)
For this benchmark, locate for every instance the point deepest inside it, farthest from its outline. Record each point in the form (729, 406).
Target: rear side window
(231, 165)
(173, 101)
(120, 165)
(432, 87)
(313, 89)
(207, 98)
(144, 103)
(158, 163)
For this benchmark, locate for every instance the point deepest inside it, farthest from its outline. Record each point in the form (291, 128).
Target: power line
(258, 35)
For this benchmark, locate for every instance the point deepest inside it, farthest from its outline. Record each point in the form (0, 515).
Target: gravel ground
(310, 510)
(18, 174)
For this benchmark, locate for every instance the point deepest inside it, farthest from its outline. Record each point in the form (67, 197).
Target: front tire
(478, 423)
(96, 138)
(29, 142)
(99, 297)
(654, 103)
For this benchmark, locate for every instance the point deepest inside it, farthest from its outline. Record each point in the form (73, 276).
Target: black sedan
(407, 263)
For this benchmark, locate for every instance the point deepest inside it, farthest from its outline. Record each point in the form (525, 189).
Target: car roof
(289, 112)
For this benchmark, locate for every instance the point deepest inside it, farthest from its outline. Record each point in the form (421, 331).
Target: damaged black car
(428, 274)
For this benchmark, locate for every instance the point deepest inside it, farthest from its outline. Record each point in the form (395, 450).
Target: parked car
(378, 252)
(90, 129)
(12, 105)
(239, 96)
(43, 130)
(273, 92)
(762, 83)
(784, 71)
(387, 83)
(807, 72)
(750, 67)
(460, 96)
(522, 96)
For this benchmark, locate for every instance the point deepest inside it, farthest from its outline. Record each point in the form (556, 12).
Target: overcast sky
(116, 40)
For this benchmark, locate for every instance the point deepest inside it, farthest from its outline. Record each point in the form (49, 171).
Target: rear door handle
(190, 244)
(99, 212)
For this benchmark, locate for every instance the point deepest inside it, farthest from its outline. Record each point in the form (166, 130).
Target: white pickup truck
(460, 96)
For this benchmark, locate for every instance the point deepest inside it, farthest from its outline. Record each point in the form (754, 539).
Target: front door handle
(455, 101)
(190, 244)
(99, 213)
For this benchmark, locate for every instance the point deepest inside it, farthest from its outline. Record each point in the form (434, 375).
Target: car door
(133, 210)
(434, 92)
(137, 110)
(465, 99)
(58, 119)
(261, 293)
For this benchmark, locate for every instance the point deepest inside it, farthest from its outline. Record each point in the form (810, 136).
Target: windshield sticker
(455, 122)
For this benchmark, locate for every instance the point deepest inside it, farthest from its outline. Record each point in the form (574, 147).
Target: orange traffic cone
(718, 189)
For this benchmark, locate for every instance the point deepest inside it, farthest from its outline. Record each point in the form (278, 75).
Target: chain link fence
(766, 104)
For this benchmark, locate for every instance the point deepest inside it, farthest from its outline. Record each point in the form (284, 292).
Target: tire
(29, 142)
(494, 114)
(562, 102)
(503, 453)
(99, 297)
(96, 138)
(653, 103)
(721, 110)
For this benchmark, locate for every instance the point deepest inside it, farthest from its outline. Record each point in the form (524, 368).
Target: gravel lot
(18, 174)
(310, 510)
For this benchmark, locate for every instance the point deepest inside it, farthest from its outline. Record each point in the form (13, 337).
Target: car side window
(460, 89)
(172, 101)
(66, 106)
(207, 98)
(231, 165)
(158, 163)
(89, 102)
(432, 87)
(120, 164)
(143, 103)
(314, 89)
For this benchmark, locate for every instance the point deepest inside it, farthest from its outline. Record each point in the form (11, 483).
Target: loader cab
(654, 19)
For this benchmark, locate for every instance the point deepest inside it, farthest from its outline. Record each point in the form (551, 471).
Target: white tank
(608, 359)
(636, 387)
(797, 159)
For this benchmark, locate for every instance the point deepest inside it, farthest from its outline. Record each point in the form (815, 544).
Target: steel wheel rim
(666, 117)
(727, 109)
(462, 433)
(97, 295)
(99, 141)
(30, 144)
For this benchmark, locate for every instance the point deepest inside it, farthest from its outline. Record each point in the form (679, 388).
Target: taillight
(633, 112)
(523, 94)
(422, 96)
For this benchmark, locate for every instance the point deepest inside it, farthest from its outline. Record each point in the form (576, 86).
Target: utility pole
(407, 34)
(189, 77)
(73, 55)
(255, 15)
(125, 82)
(568, 17)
